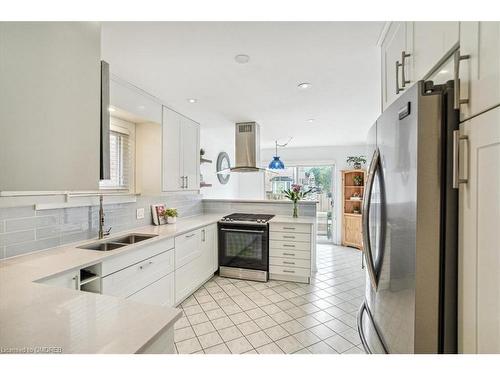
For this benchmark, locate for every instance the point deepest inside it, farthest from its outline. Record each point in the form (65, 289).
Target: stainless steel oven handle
(242, 230)
(365, 214)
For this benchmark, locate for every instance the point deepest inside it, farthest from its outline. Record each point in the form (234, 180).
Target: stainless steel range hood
(247, 146)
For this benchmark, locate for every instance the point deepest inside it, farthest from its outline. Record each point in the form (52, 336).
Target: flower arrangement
(295, 194)
(170, 215)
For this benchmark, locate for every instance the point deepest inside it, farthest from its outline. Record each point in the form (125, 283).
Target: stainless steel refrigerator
(410, 226)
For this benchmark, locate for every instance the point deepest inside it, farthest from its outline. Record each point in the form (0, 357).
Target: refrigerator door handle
(365, 214)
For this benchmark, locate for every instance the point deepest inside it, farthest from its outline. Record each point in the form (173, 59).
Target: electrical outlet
(139, 213)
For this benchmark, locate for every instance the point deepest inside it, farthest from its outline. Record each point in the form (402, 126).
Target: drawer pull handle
(146, 264)
(190, 235)
(290, 228)
(288, 262)
(288, 236)
(289, 254)
(286, 245)
(288, 271)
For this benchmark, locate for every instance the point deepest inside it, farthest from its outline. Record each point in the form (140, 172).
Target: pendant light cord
(281, 145)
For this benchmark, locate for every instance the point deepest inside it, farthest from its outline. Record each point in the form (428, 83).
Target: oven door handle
(242, 230)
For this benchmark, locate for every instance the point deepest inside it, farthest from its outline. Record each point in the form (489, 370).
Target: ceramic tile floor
(236, 316)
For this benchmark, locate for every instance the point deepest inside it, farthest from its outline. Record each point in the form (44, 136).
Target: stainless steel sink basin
(116, 243)
(102, 246)
(133, 238)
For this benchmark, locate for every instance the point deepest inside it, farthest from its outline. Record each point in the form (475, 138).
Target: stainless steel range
(244, 246)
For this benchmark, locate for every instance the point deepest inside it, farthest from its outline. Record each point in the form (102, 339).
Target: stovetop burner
(254, 218)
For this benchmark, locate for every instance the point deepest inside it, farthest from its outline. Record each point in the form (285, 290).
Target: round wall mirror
(223, 163)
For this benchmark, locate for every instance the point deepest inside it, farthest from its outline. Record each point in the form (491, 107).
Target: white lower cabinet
(196, 260)
(136, 277)
(160, 292)
(290, 249)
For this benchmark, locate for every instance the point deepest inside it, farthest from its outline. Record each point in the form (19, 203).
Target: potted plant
(356, 161)
(295, 194)
(171, 215)
(358, 180)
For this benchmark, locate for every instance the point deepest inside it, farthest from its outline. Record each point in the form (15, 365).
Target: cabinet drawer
(187, 248)
(292, 228)
(135, 256)
(134, 278)
(287, 262)
(188, 278)
(289, 253)
(160, 292)
(290, 271)
(284, 236)
(290, 245)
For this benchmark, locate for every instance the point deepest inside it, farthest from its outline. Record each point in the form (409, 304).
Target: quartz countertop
(38, 315)
(270, 201)
(35, 315)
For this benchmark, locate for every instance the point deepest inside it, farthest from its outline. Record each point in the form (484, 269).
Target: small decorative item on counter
(158, 213)
(356, 162)
(295, 194)
(170, 215)
(358, 180)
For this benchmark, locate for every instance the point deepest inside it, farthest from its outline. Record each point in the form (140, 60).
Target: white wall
(327, 155)
(215, 140)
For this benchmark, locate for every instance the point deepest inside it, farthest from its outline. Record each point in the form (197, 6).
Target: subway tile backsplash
(23, 230)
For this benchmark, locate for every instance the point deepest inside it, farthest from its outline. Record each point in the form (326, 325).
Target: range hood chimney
(247, 146)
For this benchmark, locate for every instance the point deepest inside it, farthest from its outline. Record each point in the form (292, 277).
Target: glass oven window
(243, 245)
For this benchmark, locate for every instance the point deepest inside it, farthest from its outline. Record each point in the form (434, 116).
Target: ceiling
(179, 60)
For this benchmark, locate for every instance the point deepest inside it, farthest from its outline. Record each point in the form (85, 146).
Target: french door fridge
(410, 226)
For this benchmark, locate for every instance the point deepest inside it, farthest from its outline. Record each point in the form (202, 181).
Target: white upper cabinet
(396, 74)
(190, 143)
(431, 42)
(480, 73)
(181, 158)
(50, 106)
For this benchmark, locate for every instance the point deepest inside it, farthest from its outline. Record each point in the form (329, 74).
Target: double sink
(118, 242)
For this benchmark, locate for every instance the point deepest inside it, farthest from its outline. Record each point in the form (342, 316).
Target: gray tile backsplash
(22, 229)
(278, 208)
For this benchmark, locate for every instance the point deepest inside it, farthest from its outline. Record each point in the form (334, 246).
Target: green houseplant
(171, 215)
(358, 180)
(295, 194)
(356, 162)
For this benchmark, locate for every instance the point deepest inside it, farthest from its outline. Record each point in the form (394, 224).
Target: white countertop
(39, 315)
(270, 201)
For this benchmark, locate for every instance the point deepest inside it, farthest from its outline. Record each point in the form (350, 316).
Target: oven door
(244, 246)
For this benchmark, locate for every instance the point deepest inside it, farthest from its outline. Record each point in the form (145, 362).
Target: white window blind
(119, 151)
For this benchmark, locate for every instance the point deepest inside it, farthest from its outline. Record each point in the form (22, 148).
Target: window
(120, 158)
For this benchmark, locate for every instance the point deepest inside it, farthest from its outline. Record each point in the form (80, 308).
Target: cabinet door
(190, 143)
(210, 248)
(431, 41)
(187, 279)
(352, 228)
(395, 42)
(480, 74)
(68, 280)
(479, 238)
(171, 150)
(160, 292)
(49, 106)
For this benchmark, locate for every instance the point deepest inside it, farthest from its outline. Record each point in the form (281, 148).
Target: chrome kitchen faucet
(102, 234)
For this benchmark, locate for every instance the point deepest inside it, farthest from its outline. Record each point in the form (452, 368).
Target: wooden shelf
(351, 222)
(203, 160)
(203, 184)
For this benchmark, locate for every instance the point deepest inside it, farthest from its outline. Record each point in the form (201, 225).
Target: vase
(295, 210)
(171, 219)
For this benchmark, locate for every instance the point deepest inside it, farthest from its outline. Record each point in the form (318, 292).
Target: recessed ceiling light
(444, 71)
(242, 59)
(192, 100)
(304, 85)
(111, 109)
(311, 120)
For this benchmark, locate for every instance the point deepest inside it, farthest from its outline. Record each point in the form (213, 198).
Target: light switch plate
(139, 213)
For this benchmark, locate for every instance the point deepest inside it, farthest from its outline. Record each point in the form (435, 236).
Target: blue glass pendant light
(276, 163)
